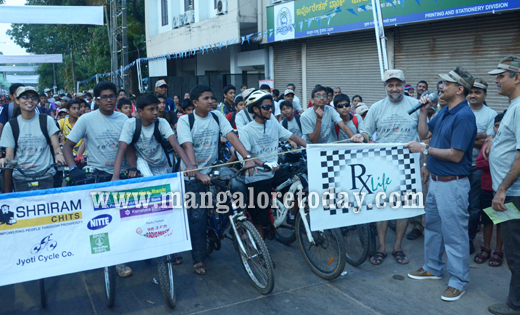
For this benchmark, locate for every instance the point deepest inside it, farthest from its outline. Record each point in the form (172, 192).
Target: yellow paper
(497, 217)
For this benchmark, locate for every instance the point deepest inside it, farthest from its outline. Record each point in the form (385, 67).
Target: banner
(18, 69)
(357, 15)
(52, 232)
(24, 79)
(51, 58)
(48, 14)
(352, 184)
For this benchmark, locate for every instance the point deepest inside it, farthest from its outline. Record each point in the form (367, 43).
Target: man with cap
(504, 163)
(452, 132)
(362, 110)
(48, 92)
(296, 101)
(485, 118)
(161, 88)
(390, 120)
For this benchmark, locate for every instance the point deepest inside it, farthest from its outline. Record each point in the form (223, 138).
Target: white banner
(25, 79)
(51, 58)
(18, 69)
(284, 20)
(361, 183)
(46, 233)
(48, 14)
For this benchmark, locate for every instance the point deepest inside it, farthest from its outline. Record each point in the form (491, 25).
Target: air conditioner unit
(176, 22)
(189, 17)
(181, 19)
(221, 7)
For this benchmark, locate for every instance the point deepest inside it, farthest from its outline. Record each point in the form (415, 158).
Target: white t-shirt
(485, 122)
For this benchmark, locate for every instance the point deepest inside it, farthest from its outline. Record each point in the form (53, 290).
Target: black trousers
(197, 219)
(511, 236)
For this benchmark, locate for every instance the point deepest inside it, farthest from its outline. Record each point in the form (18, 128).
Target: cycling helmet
(256, 98)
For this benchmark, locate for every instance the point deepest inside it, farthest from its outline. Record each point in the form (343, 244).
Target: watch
(248, 156)
(425, 151)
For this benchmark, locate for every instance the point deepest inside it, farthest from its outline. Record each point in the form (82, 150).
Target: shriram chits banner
(302, 18)
(53, 232)
(352, 184)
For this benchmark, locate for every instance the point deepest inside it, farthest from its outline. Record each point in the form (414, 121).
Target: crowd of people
(470, 157)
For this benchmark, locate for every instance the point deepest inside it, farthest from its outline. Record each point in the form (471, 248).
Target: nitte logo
(99, 222)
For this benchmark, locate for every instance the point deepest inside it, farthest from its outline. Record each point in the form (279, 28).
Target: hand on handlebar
(192, 173)
(60, 159)
(205, 179)
(77, 175)
(79, 158)
(133, 172)
(3, 162)
(271, 166)
(252, 171)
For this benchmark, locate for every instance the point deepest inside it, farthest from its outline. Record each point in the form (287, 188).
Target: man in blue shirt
(453, 132)
(161, 88)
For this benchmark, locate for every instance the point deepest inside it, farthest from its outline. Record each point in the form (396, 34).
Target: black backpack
(43, 126)
(156, 135)
(285, 122)
(191, 119)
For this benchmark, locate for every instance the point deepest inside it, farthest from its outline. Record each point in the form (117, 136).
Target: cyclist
(151, 159)
(25, 138)
(101, 130)
(261, 138)
(198, 133)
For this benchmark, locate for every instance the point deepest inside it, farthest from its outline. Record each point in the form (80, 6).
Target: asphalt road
(226, 289)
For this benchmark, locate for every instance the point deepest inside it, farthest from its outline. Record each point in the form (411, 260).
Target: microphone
(432, 97)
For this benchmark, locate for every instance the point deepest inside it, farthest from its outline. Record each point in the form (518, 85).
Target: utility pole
(124, 46)
(113, 37)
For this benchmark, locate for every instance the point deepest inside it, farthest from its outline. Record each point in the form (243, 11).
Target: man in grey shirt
(296, 101)
(504, 163)
(318, 120)
(485, 118)
(389, 118)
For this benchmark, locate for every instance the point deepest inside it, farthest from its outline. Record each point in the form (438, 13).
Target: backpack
(43, 126)
(233, 116)
(285, 122)
(156, 135)
(191, 119)
(248, 116)
(354, 120)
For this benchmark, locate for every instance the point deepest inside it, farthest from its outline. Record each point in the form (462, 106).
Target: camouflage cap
(480, 83)
(510, 63)
(459, 76)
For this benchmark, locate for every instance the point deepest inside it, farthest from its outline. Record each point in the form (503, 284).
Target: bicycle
(248, 243)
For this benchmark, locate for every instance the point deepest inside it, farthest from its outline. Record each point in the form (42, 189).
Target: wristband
(72, 167)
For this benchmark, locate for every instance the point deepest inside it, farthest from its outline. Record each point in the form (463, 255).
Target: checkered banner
(352, 184)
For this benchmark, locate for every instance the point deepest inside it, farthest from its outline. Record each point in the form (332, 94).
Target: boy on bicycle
(24, 139)
(101, 130)
(261, 137)
(151, 158)
(199, 134)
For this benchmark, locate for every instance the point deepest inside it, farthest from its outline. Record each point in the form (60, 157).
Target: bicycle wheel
(110, 285)
(284, 234)
(43, 295)
(166, 280)
(256, 259)
(372, 240)
(356, 240)
(326, 255)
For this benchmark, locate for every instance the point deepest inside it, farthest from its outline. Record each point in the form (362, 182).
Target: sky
(10, 48)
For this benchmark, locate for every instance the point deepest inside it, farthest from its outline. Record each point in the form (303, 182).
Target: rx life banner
(352, 184)
(303, 18)
(53, 232)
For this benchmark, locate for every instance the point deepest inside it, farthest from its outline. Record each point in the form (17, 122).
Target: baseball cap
(361, 108)
(459, 76)
(408, 86)
(79, 94)
(66, 99)
(510, 63)
(63, 110)
(480, 83)
(160, 83)
(394, 74)
(288, 91)
(55, 96)
(23, 89)
(46, 90)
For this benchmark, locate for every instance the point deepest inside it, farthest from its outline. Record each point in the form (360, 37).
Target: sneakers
(451, 294)
(503, 309)
(123, 270)
(422, 274)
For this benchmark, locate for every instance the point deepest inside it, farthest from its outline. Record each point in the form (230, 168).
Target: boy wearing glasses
(318, 121)
(353, 121)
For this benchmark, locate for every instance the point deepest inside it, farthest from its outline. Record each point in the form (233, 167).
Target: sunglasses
(340, 106)
(27, 97)
(265, 107)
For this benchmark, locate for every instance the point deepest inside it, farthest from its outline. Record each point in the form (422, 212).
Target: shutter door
(349, 61)
(288, 66)
(476, 43)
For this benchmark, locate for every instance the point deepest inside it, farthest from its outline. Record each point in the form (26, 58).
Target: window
(189, 5)
(164, 12)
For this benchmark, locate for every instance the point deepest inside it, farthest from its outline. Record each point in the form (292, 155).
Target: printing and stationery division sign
(316, 17)
(52, 232)
(352, 184)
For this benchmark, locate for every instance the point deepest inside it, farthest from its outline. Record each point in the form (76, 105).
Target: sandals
(483, 256)
(199, 269)
(177, 259)
(378, 258)
(400, 257)
(496, 260)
